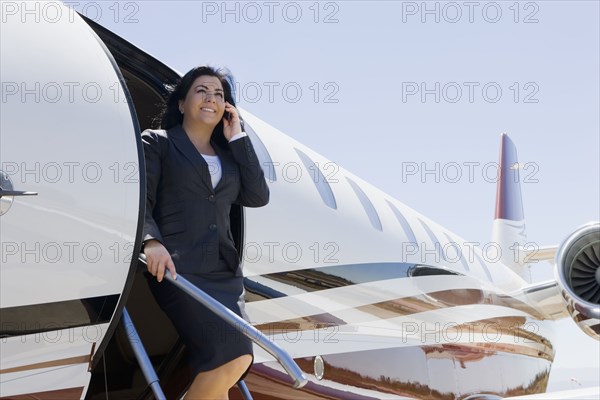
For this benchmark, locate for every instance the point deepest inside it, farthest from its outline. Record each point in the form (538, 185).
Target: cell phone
(226, 115)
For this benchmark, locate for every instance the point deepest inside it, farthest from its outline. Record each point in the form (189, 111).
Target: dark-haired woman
(199, 164)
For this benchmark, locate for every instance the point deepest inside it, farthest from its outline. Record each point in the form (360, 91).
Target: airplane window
(262, 153)
(458, 246)
(404, 223)
(434, 239)
(482, 263)
(319, 180)
(367, 205)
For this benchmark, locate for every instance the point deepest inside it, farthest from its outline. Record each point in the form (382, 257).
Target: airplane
(370, 298)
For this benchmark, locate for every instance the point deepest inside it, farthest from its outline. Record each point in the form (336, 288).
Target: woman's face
(205, 101)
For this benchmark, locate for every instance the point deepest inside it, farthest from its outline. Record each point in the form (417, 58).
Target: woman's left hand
(231, 126)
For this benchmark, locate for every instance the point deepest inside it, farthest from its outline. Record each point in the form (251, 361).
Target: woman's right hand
(157, 259)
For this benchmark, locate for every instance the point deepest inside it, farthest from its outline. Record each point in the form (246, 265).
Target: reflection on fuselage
(431, 372)
(446, 359)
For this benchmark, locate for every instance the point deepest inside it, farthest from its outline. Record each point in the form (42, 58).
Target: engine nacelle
(578, 276)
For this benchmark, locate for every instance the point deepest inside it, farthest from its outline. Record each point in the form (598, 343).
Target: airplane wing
(541, 253)
(547, 298)
(577, 283)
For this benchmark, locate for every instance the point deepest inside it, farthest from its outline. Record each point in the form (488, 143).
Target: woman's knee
(239, 365)
(229, 372)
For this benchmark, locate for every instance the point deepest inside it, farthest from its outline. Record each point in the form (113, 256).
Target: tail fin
(509, 220)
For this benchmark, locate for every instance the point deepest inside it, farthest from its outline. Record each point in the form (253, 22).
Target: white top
(214, 163)
(214, 167)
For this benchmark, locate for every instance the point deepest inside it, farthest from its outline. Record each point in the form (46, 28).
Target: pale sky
(383, 87)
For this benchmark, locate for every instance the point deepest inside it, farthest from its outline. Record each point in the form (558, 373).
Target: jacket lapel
(227, 165)
(187, 148)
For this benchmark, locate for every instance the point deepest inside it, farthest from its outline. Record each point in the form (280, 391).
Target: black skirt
(211, 342)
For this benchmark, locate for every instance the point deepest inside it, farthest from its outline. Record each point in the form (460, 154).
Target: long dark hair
(170, 114)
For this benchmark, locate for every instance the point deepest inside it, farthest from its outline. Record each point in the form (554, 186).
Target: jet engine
(578, 276)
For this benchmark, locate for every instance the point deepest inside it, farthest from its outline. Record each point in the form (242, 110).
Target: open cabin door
(68, 134)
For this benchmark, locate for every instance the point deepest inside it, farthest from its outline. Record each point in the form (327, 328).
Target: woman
(196, 167)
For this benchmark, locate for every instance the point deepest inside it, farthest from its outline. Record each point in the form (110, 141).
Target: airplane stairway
(223, 312)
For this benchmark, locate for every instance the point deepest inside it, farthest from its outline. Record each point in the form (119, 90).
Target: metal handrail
(282, 357)
(146, 365)
(244, 390)
(142, 356)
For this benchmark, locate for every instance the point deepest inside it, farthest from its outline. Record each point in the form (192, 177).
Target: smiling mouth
(208, 109)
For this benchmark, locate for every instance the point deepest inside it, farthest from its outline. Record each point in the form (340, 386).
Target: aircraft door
(71, 198)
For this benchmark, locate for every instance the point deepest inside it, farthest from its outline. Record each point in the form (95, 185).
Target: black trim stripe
(330, 277)
(323, 278)
(46, 317)
(405, 306)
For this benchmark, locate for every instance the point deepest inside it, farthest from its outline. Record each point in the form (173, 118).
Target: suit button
(211, 198)
(212, 227)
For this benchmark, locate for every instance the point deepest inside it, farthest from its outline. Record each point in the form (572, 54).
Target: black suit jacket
(184, 212)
